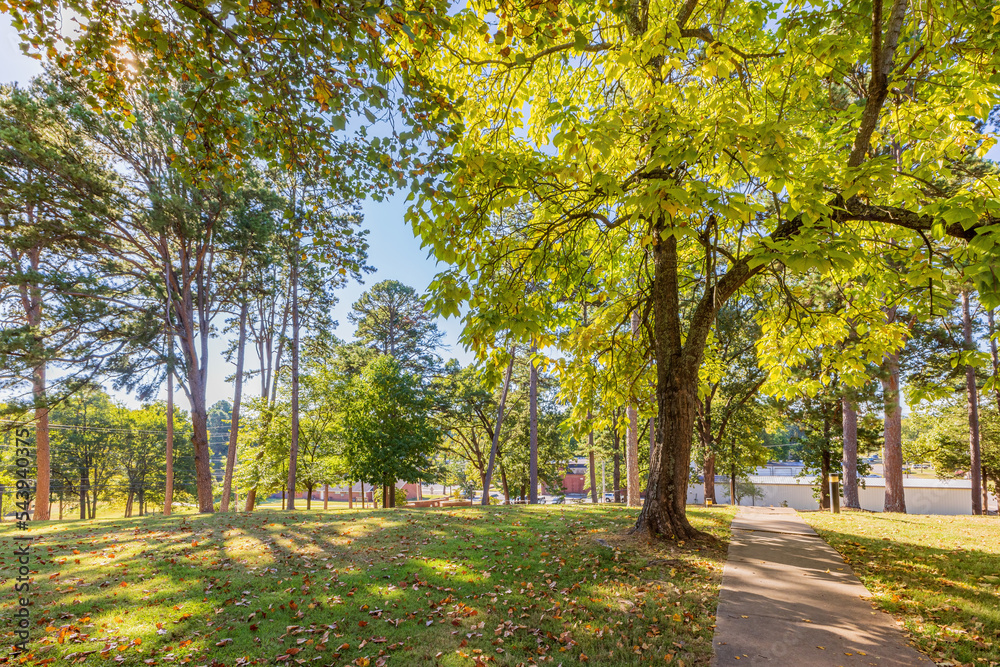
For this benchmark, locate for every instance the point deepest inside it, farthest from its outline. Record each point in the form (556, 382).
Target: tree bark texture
(892, 459)
(168, 494)
(632, 444)
(251, 500)
(533, 425)
(234, 425)
(616, 473)
(199, 438)
(972, 401)
(850, 460)
(33, 308)
(664, 512)
(294, 448)
(42, 460)
(996, 358)
(496, 432)
(593, 473)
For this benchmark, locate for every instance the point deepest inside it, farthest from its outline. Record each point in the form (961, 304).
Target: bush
(400, 498)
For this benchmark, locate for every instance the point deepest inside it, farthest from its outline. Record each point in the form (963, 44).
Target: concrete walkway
(789, 599)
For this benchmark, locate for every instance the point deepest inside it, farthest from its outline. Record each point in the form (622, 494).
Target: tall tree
(533, 444)
(386, 431)
(731, 381)
(393, 318)
(849, 428)
(972, 401)
(234, 424)
(55, 195)
(624, 157)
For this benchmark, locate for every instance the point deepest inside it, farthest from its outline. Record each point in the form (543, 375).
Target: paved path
(788, 599)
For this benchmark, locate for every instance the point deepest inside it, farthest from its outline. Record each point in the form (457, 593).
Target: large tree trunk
(972, 400)
(850, 459)
(33, 307)
(199, 438)
(593, 473)
(41, 445)
(616, 474)
(533, 426)
(294, 449)
(503, 482)
(892, 459)
(234, 425)
(996, 361)
(733, 496)
(84, 489)
(251, 499)
(496, 432)
(664, 512)
(168, 494)
(632, 444)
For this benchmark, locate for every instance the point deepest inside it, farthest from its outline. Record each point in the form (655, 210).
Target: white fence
(923, 496)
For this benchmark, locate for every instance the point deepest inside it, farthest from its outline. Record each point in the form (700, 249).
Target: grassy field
(500, 585)
(940, 575)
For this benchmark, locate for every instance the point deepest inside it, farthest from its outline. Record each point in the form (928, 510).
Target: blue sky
(393, 251)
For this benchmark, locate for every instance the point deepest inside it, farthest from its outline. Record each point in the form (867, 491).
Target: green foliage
(103, 452)
(747, 489)
(938, 433)
(260, 81)
(56, 193)
(654, 158)
(394, 319)
(466, 411)
(386, 431)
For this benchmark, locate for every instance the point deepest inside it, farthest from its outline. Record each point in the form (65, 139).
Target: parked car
(609, 497)
(561, 500)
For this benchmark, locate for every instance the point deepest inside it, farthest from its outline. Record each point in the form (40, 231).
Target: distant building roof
(811, 480)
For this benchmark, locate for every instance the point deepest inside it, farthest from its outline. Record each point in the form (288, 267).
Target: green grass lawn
(500, 585)
(940, 575)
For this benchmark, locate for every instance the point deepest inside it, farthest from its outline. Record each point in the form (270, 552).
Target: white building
(923, 496)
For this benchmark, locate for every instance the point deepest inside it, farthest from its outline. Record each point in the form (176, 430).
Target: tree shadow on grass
(422, 581)
(939, 593)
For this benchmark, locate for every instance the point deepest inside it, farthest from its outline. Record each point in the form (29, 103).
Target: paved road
(789, 600)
